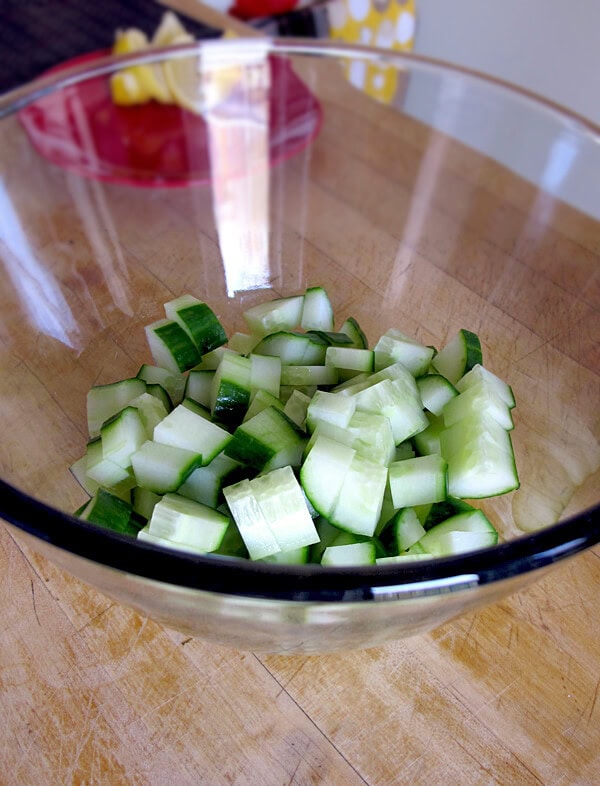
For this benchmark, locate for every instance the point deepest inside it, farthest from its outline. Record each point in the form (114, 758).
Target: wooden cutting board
(93, 693)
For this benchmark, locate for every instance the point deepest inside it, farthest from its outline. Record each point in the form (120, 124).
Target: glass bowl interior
(420, 196)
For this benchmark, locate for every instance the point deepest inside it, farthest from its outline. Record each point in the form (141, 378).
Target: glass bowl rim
(307, 583)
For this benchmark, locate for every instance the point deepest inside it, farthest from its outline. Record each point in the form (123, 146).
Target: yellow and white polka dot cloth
(389, 24)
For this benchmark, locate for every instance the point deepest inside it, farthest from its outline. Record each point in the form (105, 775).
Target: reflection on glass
(236, 109)
(37, 290)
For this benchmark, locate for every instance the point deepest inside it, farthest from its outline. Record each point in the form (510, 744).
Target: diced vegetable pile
(297, 443)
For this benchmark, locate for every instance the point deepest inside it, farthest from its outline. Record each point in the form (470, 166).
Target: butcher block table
(93, 693)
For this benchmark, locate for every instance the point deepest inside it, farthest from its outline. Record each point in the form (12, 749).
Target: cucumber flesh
(171, 347)
(163, 468)
(323, 471)
(108, 510)
(279, 314)
(435, 391)
(462, 532)
(250, 520)
(317, 312)
(105, 401)
(360, 500)
(349, 554)
(395, 346)
(199, 321)
(458, 356)
(331, 408)
(478, 374)
(418, 481)
(173, 382)
(267, 441)
(292, 348)
(183, 428)
(354, 331)
(188, 523)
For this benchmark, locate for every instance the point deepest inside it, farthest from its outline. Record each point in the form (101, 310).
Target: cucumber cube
(188, 523)
(349, 554)
(199, 322)
(186, 429)
(267, 441)
(111, 512)
(418, 481)
(231, 388)
(317, 311)
(105, 401)
(123, 435)
(171, 347)
(394, 346)
(360, 499)
(163, 468)
(279, 314)
(458, 356)
(331, 408)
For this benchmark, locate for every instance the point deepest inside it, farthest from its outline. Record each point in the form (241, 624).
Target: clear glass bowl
(421, 196)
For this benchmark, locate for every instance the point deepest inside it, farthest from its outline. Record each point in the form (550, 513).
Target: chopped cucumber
(435, 391)
(110, 511)
(479, 373)
(360, 500)
(300, 376)
(267, 441)
(102, 470)
(428, 440)
(292, 348)
(480, 458)
(105, 401)
(199, 322)
(349, 554)
(206, 483)
(170, 346)
(279, 314)
(143, 501)
(323, 471)
(296, 408)
(355, 333)
(330, 408)
(403, 531)
(418, 481)
(317, 312)
(122, 436)
(350, 359)
(163, 468)
(261, 400)
(461, 532)
(231, 388)
(271, 513)
(183, 428)
(187, 523)
(481, 398)
(172, 382)
(199, 386)
(265, 374)
(458, 356)
(287, 446)
(395, 346)
(243, 343)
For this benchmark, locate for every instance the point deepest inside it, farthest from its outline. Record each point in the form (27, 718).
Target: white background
(551, 47)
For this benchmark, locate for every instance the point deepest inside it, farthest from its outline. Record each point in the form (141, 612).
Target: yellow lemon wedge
(184, 77)
(126, 89)
(130, 40)
(137, 84)
(168, 30)
(198, 84)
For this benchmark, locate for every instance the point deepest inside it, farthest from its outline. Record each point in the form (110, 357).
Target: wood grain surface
(93, 693)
